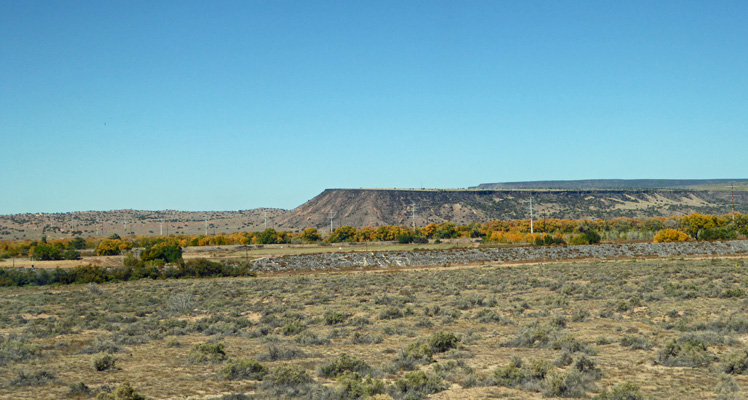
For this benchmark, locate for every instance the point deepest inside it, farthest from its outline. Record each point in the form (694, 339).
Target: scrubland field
(668, 328)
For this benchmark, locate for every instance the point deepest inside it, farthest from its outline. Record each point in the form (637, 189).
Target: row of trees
(198, 268)
(695, 226)
(55, 250)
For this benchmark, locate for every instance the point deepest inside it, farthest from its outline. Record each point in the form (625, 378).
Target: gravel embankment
(495, 255)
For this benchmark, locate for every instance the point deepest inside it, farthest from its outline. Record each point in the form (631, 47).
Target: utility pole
(331, 214)
(531, 229)
(414, 216)
(732, 194)
(162, 227)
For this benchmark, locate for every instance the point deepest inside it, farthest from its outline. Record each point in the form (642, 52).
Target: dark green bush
(534, 335)
(636, 342)
(353, 386)
(361, 338)
(288, 375)
(511, 375)
(79, 389)
(15, 350)
(207, 353)
(167, 252)
(441, 342)
(36, 378)
(416, 385)
(566, 384)
(720, 233)
(71, 254)
(521, 373)
(624, 391)
(307, 338)
(126, 392)
(342, 364)
(246, 368)
(735, 363)
(292, 328)
(43, 251)
(413, 355)
(334, 318)
(689, 353)
(103, 362)
(391, 313)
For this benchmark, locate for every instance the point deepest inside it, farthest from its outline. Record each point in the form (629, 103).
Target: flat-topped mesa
(406, 207)
(596, 184)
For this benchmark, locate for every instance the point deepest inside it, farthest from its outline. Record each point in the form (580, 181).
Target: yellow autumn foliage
(670, 235)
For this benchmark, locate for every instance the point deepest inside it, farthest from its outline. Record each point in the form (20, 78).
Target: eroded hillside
(374, 207)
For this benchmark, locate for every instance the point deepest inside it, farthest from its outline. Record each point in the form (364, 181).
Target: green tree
(343, 234)
(169, 252)
(77, 243)
(44, 251)
(592, 237)
(445, 230)
(311, 235)
(71, 254)
(268, 236)
(695, 223)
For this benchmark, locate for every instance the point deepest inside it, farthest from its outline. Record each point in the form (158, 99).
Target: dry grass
(603, 310)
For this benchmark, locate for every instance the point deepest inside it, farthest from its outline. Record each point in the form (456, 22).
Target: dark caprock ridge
(612, 184)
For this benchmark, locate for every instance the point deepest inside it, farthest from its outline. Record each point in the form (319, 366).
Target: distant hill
(374, 207)
(603, 199)
(618, 184)
(135, 222)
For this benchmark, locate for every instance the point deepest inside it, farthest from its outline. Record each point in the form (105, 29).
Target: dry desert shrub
(624, 391)
(245, 368)
(202, 353)
(344, 363)
(35, 378)
(684, 353)
(103, 362)
(553, 312)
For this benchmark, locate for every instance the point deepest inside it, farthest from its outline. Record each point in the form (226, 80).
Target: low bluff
(376, 207)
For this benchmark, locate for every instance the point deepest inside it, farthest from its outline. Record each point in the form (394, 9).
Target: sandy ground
(102, 261)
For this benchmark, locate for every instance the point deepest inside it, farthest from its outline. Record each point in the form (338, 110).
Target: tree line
(543, 232)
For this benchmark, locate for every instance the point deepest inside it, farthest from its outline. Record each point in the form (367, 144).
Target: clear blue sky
(227, 105)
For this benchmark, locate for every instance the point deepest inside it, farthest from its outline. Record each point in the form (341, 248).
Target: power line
(732, 194)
